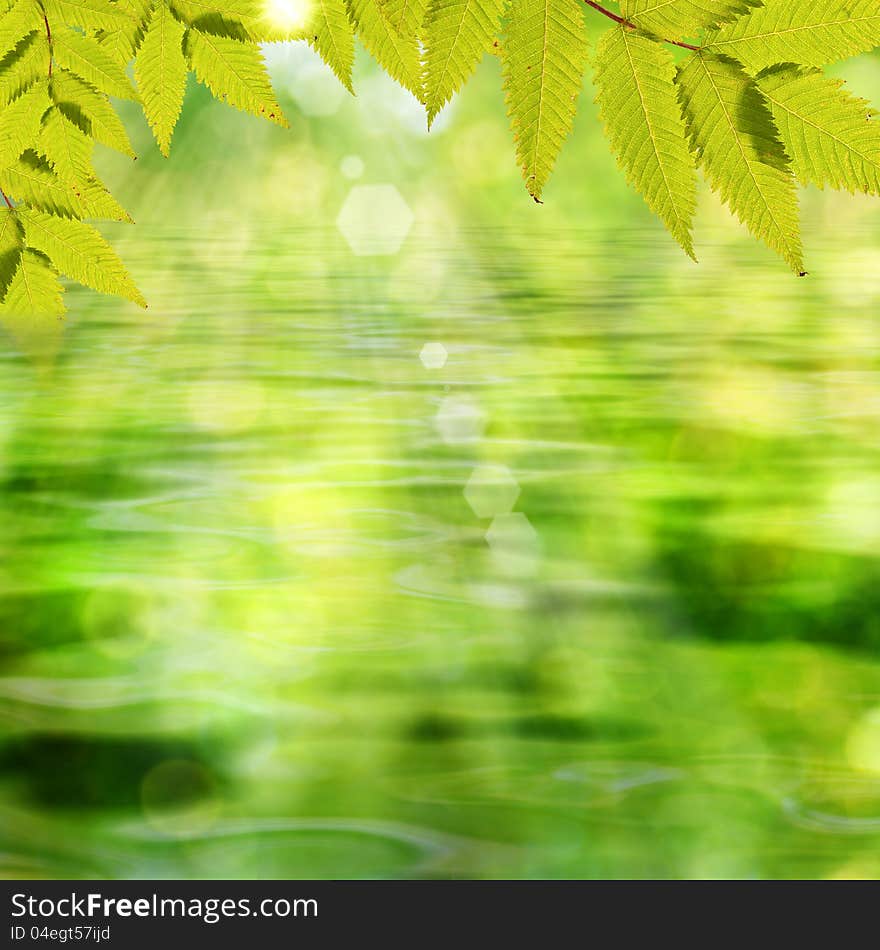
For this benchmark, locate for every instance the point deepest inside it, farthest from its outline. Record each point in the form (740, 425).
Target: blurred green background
(588, 587)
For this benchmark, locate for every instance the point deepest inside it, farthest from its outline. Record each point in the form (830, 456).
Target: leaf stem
(632, 26)
(49, 40)
(8, 202)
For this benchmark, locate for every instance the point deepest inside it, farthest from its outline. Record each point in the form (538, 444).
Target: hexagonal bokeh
(514, 544)
(433, 356)
(374, 220)
(491, 490)
(459, 420)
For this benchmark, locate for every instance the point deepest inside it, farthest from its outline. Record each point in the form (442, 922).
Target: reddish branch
(632, 26)
(8, 202)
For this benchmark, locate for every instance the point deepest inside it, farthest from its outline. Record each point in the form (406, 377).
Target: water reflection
(290, 587)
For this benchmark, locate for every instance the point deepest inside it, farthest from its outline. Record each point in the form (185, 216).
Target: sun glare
(288, 15)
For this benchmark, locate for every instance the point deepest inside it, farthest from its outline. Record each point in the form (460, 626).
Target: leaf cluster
(733, 88)
(62, 63)
(749, 106)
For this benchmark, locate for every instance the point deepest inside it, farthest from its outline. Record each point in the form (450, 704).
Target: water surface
(599, 596)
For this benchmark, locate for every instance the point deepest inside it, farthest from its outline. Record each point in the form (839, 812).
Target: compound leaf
(677, 19)
(235, 72)
(90, 110)
(20, 123)
(123, 42)
(32, 181)
(639, 106)
(160, 70)
(66, 146)
(407, 16)
(456, 34)
(80, 252)
(831, 136)
(739, 149)
(11, 246)
(26, 64)
(19, 21)
(86, 57)
(543, 56)
(331, 36)
(806, 32)
(398, 55)
(88, 14)
(34, 288)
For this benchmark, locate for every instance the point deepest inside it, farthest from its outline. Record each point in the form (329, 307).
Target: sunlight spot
(288, 15)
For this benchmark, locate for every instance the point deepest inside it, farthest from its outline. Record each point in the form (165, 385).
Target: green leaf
(20, 123)
(406, 16)
(120, 45)
(138, 10)
(738, 147)
(11, 246)
(34, 288)
(543, 56)
(456, 34)
(332, 38)
(31, 180)
(397, 55)
(124, 42)
(90, 110)
(79, 252)
(22, 19)
(26, 64)
(66, 146)
(69, 152)
(88, 14)
(805, 32)
(188, 11)
(216, 24)
(831, 136)
(84, 56)
(638, 103)
(235, 19)
(678, 19)
(234, 72)
(99, 203)
(160, 70)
